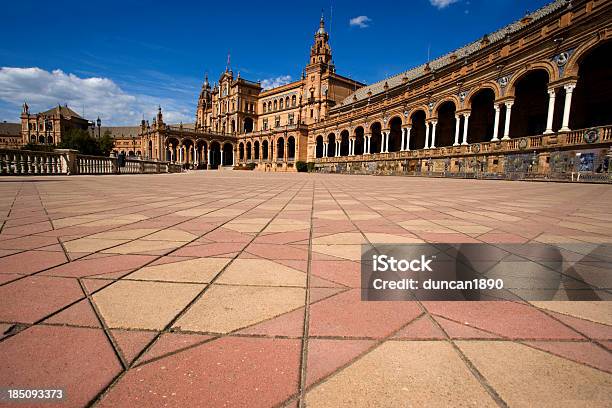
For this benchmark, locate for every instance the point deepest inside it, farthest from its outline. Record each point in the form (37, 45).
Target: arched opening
(188, 154)
(150, 149)
(482, 116)
(331, 145)
(50, 140)
(248, 125)
(131, 153)
(445, 129)
(344, 143)
(291, 148)
(264, 150)
(359, 144)
(41, 139)
(280, 148)
(201, 154)
(417, 132)
(530, 108)
(172, 150)
(241, 152)
(215, 155)
(233, 126)
(319, 147)
(248, 151)
(256, 150)
(376, 140)
(592, 98)
(228, 154)
(395, 134)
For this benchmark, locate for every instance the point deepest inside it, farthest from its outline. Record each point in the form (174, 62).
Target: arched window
(287, 102)
(280, 103)
(275, 105)
(264, 107)
(293, 100)
(269, 106)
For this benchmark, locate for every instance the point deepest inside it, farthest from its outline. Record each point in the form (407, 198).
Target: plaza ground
(237, 288)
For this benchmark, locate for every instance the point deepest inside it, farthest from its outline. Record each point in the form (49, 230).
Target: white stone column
(408, 129)
(433, 134)
(403, 139)
(496, 123)
(552, 94)
(351, 147)
(569, 90)
(337, 152)
(384, 146)
(208, 163)
(367, 144)
(457, 126)
(171, 154)
(466, 118)
(324, 149)
(426, 135)
(507, 121)
(233, 157)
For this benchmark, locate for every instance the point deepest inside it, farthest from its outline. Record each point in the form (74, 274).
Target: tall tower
(204, 104)
(318, 72)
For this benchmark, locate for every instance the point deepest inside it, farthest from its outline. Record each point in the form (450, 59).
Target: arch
(551, 70)
(493, 86)
(249, 152)
(41, 139)
(417, 132)
(422, 108)
(215, 155)
(275, 104)
(287, 102)
(359, 140)
(331, 145)
(530, 107)
(376, 138)
(592, 97)
(280, 148)
(291, 148)
(264, 149)
(293, 100)
(228, 154)
(269, 106)
(445, 128)
(248, 125)
(319, 146)
(241, 152)
(482, 115)
(395, 134)
(573, 64)
(344, 143)
(131, 153)
(150, 149)
(280, 103)
(256, 150)
(50, 140)
(450, 98)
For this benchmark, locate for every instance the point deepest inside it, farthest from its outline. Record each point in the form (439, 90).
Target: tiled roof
(411, 74)
(65, 111)
(121, 131)
(10, 129)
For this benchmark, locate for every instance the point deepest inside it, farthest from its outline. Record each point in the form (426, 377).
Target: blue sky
(119, 60)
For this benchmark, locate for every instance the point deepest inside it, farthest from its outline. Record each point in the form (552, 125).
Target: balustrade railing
(66, 161)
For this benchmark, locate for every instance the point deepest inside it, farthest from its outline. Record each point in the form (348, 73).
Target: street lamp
(99, 123)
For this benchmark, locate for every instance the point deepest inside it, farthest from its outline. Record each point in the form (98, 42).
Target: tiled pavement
(241, 289)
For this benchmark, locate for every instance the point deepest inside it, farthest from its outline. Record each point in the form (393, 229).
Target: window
(264, 107)
(287, 102)
(277, 121)
(280, 104)
(293, 100)
(291, 118)
(275, 105)
(311, 113)
(269, 106)
(265, 124)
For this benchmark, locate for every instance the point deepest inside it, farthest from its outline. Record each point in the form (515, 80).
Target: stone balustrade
(70, 162)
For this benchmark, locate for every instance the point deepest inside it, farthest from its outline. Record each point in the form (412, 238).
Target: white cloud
(100, 96)
(360, 21)
(440, 4)
(275, 82)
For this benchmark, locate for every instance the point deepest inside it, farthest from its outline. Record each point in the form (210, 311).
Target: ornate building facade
(534, 95)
